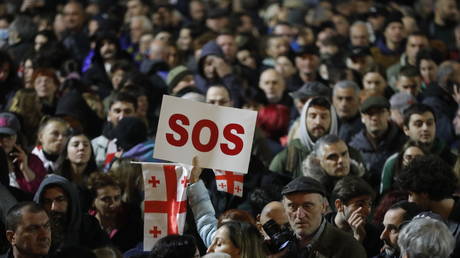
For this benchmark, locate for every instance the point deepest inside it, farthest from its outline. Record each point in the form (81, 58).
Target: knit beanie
(129, 132)
(176, 75)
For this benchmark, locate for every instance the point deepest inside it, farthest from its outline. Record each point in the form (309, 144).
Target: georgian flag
(165, 203)
(230, 182)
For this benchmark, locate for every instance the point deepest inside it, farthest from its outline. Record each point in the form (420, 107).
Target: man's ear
(406, 130)
(11, 236)
(338, 205)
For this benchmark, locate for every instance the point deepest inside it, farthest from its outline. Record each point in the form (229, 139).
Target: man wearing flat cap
(379, 139)
(304, 200)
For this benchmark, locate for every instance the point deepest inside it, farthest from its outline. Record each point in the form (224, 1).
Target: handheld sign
(221, 137)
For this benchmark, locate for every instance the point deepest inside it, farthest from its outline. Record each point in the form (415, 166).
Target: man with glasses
(69, 226)
(352, 198)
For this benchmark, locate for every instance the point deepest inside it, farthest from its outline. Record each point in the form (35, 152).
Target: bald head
(273, 85)
(275, 211)
(158, 50)
(359, 34)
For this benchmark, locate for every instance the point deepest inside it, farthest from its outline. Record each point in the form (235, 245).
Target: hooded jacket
(82, 229)
(311, 167)
(289, 160)
(230, 81)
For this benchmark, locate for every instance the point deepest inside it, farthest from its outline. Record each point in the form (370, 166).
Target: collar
(317, 234)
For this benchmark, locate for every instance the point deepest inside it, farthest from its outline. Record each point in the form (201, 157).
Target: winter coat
(374, 157)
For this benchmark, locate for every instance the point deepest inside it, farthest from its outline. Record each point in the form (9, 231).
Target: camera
(280, 236)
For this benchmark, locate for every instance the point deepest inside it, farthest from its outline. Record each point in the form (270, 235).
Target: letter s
(233, 139)
(178, 129)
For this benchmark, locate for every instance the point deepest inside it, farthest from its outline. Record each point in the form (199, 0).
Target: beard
(58, 221)
(391, 250)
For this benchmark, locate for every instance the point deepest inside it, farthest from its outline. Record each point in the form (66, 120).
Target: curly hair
(428, 174)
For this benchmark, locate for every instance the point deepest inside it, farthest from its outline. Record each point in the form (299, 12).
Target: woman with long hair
(26, 105)
(76, 163)
(239, 240)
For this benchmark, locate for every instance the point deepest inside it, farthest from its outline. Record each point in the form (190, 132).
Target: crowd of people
(355, 151)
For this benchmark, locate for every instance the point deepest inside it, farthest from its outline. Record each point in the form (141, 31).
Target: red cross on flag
(230, 182)
(165, 203)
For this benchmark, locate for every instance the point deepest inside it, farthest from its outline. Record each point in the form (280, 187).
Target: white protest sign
(221, 137)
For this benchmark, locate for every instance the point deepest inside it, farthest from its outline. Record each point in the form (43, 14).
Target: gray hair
(445, 72)
(426, 238)
(147, 25)
(347, 84)
(327, 139)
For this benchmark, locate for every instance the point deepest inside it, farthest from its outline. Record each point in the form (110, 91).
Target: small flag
(230, 182)
(165, 203)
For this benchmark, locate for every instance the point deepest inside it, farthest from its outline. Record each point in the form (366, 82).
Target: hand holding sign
(221, 137)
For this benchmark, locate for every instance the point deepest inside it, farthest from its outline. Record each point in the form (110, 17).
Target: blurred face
(447, 10)
(136, 30)
(40, 41)
(318, 121)
(374, 83)
(144, 43)
(421, 128)
(391, 222)
(307, 64)
(456, 123)
(79, 149)
(428, 70)
(376, 121)
(228, 45)
(284, 31)
(285, 66)
(210, 68)
(218, 96)
(363, 203)
(32, 237)
(277, 47)
(272, 85)
(245, 58)
(7, 142)
(135, 8)
(108, 200)
(55, 200)
(185, 39)
(142, 106)
(394, 32)
(108, 50)
(28, 71)
(197, 10)
(409, 85)
(4, 71)
(335, 159)
(359, 36)
(73, 16)
(346, 102)
(119, 110)
(53, 137)
(117, 77)
(222, 243)
(341, 24)
(305, 212)
(411, 153)
(45, 86)
(414, 44)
